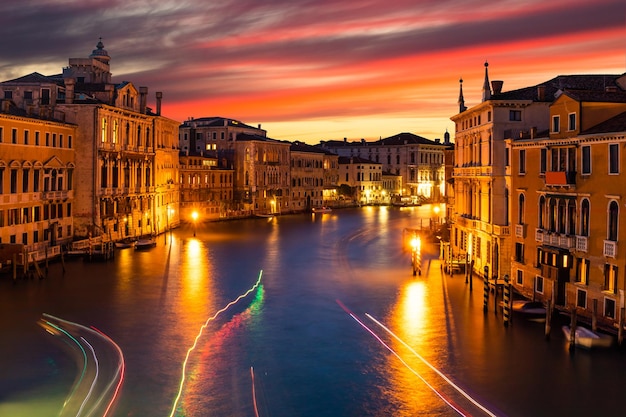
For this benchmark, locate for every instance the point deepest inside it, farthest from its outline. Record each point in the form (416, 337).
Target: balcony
(610, 248)
(581, 243)
(558, 240)
(560, 178)
(55, 195)
(501, 230)
(520, 231)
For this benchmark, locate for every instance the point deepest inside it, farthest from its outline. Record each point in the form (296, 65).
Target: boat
(265, 216)
(322, 209)
(588, 339)
(124, 244)
(531, 308)
(145, 243)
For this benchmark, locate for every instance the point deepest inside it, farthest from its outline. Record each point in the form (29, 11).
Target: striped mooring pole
(506, 301)
(486, 295)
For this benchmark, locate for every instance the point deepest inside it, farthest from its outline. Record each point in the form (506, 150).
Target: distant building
(127, 155)
(307, 176)
(567, 198)
(365, 177)
(418, 160)
(262, 174)
(37, 178)
(205, 188)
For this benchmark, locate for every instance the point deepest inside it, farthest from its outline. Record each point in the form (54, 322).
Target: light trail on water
(256, 409)
(437, 371)
(195, 342)
(390, 349)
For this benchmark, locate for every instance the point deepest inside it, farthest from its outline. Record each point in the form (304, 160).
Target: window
(13, 181)
(26, 134)
(519, 279)
(522, 161)
(25, 175)
(515, 115)
(543, 161)
(582, 271)
(1, 134)
(586, 159)
(612, 221)
(28, 95)
(571, 121)
(45, 96)
(37, 138)
(542, 209)
(521, 208)
(609, 308)
(539, 284)
(610, 278)
(519, 252)
(613, 158)
(584, 218)
(14, 136)
(581, 298)
(8, 94)
(556, 124)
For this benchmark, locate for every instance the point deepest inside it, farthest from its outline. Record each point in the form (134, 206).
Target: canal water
(336, 326)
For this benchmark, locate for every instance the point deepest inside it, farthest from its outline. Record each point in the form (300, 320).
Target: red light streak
(121, 370)
(256, 409)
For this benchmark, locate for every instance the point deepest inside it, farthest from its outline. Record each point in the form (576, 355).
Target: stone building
(205, 188)
(364, 176)
(37, 178)
(566, 201)
(307, 176)
(418, 160)
(127, 155)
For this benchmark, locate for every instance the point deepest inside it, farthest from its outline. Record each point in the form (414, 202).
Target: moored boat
(124, 244)
(322, 209)
(531, 308)
(586, 338)
(145, 243)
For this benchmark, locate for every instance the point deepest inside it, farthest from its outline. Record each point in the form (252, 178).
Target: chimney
(496, 86)
(6, 104)
(159, 97)
(143, 99)
(259, 125)
(345, 140)
(541, 92)
(69, 90)
(437, 140)
(533, 132)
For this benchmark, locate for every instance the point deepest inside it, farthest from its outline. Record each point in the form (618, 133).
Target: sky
(313, 70)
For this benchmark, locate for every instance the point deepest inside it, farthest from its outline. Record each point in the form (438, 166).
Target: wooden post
(486, 289)
(62, 261)
(14, 267)
(620, 329)
(594, 315)
(495, 294)
(548, 318)
(46, 252)
(572, 331)
(471, 269)
(506, 300)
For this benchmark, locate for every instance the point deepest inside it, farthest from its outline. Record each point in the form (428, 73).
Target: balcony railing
(520, 230)
(582, 243)
(610, 248)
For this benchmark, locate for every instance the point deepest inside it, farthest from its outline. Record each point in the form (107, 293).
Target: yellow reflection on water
(412, 322)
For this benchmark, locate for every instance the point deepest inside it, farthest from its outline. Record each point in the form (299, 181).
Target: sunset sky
(319, 70)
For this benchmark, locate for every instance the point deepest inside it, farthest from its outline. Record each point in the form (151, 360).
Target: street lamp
(194, 216)
(416, 254)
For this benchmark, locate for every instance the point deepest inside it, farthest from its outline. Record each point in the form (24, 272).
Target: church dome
(100, 53)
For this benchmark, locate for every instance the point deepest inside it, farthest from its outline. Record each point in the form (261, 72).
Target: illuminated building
(127, 155)
(204, 187)
(307, 176)
(364, 177)
(37, 177)
(418, 160)
(567, 199)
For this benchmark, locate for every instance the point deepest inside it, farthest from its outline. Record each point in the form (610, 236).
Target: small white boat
(146, 243)
(322, 209)
(585, 338)
(531, 308)
(124, 244)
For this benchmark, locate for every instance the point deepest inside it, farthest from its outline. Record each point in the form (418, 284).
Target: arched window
(613, 213)
(552, 215)
(571, 218)
(584, 218)
(561, 216)
(521, 207)
(542, 211)
(104, 130)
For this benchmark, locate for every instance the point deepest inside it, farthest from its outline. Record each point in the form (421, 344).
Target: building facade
(127, 155)
(566, 208)
(364, 176)
(307, 176)
(37, 177)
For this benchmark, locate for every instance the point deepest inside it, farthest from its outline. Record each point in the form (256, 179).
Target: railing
(610, 248)
(501, 230)
(520, 230)
(581, 243)
(560, 178)
(56, 195)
